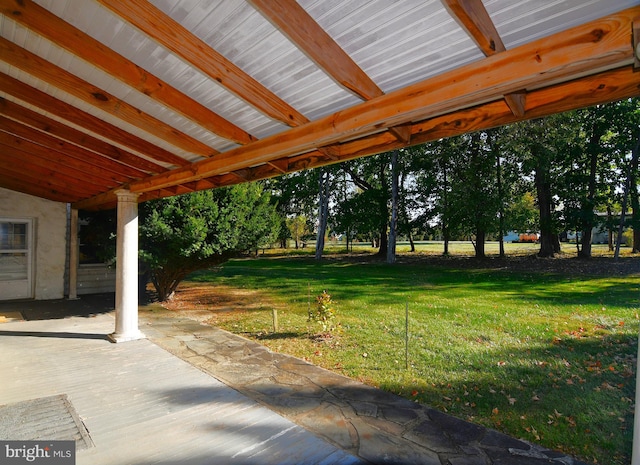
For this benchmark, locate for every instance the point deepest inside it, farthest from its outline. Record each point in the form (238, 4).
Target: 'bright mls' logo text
(38, 452)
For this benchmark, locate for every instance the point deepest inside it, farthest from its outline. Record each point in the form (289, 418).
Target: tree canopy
(179, 235)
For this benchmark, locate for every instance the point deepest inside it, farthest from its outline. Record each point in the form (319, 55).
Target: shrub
(323, 313)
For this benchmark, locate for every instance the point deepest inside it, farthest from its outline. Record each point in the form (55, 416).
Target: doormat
(46, 418)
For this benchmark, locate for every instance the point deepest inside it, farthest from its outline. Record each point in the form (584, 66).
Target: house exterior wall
(49, 239)
(96, 278)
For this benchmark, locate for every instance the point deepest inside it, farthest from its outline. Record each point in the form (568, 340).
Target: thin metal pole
(406, 336)
(635, 455)
(274, 316)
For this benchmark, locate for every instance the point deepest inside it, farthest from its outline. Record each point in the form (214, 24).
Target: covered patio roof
(168, 97)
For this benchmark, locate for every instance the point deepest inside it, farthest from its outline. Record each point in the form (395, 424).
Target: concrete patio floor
(142, 405)
(195, 394)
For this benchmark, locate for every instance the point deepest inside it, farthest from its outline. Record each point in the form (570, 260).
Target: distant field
(464, 248)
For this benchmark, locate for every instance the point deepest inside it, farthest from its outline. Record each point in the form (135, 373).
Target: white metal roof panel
(521, 21)
(397, 43)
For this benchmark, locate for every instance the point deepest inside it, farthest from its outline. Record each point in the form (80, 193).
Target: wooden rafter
(293, 21)
(132, 165)
(65, 154)
(594, 45)
(183, 43)
(16, 158)
(41, 21)
(610, 86)
(83, 119)
(474, 18)
(35, 186)
(73, 85)
(92, 163)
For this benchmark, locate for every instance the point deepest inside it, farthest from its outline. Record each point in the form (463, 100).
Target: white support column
(635, 451)
(74, 254)
(127, 269)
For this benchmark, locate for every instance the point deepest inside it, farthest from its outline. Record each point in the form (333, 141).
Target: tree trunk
(346, 236)
(481, 237)
(384, 212)
(633, 194)
(383, 241)
(549, 242)
(393, 226)
(625, 196)
(323, 211)
(589, 204)
(445, 211)
(610, 228)
(501, 206)
(166, 281)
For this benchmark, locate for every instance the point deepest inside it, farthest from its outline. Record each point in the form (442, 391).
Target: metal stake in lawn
(406, 336)
(274, 315)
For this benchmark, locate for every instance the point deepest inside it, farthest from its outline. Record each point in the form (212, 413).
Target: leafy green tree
(182, 234)
(541, 146)
(294, 195)
(522, 214)
(625, 141)
(460, 183)
(432, 164)
(588, 172)
(298, 229)
(370, 177)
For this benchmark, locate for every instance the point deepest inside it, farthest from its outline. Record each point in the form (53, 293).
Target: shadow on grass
(278, 336)
(383, 284)
(568, 390)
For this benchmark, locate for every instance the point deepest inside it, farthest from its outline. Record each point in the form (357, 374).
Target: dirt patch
(213, 304)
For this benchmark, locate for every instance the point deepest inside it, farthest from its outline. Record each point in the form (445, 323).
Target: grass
(541, 356)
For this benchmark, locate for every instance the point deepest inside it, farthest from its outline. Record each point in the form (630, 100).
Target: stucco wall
(50, 226)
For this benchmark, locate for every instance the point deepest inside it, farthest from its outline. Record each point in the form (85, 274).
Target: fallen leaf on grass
(532, 430)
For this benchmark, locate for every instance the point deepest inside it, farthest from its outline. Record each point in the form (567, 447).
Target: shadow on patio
(139, 403)
(85, 306)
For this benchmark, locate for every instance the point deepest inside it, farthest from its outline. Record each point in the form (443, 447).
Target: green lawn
(541, 356)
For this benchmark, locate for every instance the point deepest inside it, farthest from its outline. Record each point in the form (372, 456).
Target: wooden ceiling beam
(132, 165)
(175, 37)
(474, 18)
(79, 88)
(583, 49)
(10, 165)
(34, 187)
(92, 163)
(294, 22)
(83, 119)
(281, 166)
(21, 164)
(45, 23)
(74, 170)
(606, 87)
(516, 102)
(636, 43)
(402, 133)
